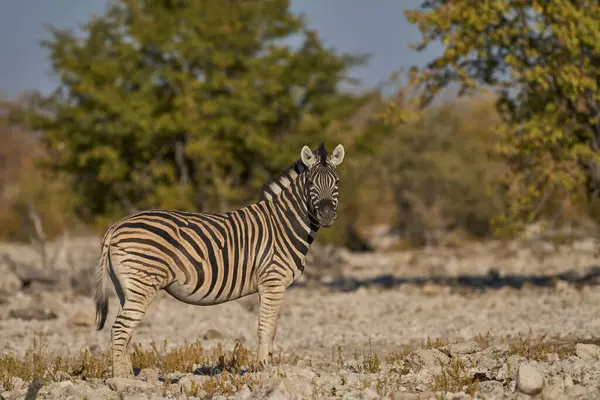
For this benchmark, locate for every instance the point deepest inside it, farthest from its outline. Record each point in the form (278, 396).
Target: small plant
(483, 341)
(508, 373)
(454, 378)
(371, 363)
(178, 359)
(194, 389)
(398, 356)
(227, 384)
(435, 344)
(538, 349)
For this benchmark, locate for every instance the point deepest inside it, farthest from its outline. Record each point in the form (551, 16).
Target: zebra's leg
(127, 320)
(135, 301)
(271, 299)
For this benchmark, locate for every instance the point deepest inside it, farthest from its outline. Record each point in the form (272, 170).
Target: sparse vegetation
(39, 363)
(539, 349)
(226, 368)
(454, 378)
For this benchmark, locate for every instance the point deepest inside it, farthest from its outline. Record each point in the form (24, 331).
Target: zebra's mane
(282, 181)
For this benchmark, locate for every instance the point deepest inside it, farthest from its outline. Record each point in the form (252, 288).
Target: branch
(39, 232)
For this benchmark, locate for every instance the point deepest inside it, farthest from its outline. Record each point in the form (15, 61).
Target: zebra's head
(322, 182)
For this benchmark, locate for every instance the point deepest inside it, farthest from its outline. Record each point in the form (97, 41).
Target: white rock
(243, 393)
(122, 384)
(276, 389)
(491, 389)
(10, 282)
(137, 396)
(351, 396)
(554, 388)
(430, 359)
(587, 352)
(465, 348)
(190, 384)
(529, 379)
(369, 394)
(148, 375)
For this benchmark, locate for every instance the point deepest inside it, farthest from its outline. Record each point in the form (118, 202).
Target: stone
(32, 313)
(299, 388)
(529, 380)
(274, 389)
(136, 396)
(148, 375)
(190, 384)
(554, 389)
(369, 394)
(293, 371)
(10, 282)
(587, 352)
(213, 334)
(577, 391)
(491, 389)
(243, 393)
(465, 348)
(17, 383)
(128, 384)
(431, 359)
(405, 396)
(80, 320)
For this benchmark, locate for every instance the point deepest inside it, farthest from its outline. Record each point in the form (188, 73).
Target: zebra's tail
(100, 294)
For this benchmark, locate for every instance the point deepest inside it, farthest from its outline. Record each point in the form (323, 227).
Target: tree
(186, 104)
(543, 58)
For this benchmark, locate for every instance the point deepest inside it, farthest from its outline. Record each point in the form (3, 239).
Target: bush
(441, 173)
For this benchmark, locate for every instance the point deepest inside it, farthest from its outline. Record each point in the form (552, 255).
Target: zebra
(211, 258)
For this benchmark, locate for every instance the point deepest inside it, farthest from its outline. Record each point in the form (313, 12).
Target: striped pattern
(211, 258)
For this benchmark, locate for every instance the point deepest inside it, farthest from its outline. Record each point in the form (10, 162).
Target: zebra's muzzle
(326, 214)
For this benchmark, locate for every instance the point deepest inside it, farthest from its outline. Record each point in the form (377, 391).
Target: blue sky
(376, 26)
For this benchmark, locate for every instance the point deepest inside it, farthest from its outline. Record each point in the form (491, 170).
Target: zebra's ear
(337, 156)
(307, 156)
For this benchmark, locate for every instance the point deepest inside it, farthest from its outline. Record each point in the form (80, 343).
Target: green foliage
(544, 59)
(188, 105)
(440, 172)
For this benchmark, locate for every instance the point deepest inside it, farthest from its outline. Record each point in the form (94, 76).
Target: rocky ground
(498, 320)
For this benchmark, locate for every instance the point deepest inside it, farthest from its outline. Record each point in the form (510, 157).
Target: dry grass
(539, 349)
(38, 363)
(226, 366)
(454, 378)
(226, 372)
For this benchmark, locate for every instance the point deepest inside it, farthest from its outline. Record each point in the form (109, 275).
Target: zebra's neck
(293, 175)
(287, 193)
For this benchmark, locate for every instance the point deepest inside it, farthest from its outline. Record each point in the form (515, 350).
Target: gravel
(392, 325)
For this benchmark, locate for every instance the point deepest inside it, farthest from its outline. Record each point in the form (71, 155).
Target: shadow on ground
(492, 280)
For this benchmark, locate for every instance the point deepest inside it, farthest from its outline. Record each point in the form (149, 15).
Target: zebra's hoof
(259, 366)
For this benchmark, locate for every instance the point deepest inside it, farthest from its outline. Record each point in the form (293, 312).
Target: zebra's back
(199, 259)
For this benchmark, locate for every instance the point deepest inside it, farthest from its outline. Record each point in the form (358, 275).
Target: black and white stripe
(211, 258)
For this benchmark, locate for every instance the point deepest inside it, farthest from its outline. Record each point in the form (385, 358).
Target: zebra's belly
(185, 294)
